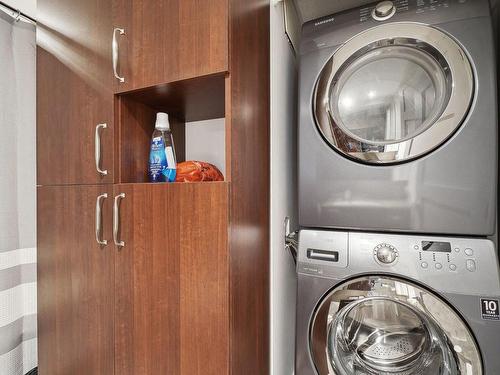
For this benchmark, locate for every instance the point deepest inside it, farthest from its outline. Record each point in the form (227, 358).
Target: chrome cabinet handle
(98, 149)
(114, 48)
(98, 219)
(116, 219)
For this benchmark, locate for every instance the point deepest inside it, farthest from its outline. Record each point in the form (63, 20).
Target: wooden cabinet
(188, 293)
(171, 285)
(158, 304)
(169, 40)
(75, 279)
(74, 92)
(163, 41)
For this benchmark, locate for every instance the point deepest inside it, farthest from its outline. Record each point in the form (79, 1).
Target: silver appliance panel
(470, 267)
(388, 268)
(452, 189)
(335, 29)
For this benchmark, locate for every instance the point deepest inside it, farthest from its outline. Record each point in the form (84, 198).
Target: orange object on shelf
(197, 171)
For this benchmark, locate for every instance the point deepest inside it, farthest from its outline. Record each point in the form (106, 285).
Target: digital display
(436, 246)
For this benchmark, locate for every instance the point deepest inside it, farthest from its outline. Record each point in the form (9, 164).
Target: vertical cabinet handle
(98, 149)
(116, 220)
(114, 47)
(98, 219)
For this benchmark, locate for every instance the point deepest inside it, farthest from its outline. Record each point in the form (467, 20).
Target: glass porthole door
(393, 93)
(378, 325)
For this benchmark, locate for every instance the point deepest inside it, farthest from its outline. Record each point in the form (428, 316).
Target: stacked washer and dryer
(397, 269)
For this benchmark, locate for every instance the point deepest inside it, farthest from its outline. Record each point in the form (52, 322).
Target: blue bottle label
(162, 166)
(157, 160)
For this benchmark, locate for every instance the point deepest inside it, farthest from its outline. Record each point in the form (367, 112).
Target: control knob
(384, 10)
(385, 253)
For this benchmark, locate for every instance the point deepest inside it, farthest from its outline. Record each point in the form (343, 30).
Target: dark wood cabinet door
(170, 40)
(74, 91)
(75, 282)
(171, 282)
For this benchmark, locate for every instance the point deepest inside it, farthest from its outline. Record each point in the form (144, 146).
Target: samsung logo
(328, 20)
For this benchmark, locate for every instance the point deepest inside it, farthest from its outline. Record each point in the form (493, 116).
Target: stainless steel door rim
(418, 55)
(384, 324)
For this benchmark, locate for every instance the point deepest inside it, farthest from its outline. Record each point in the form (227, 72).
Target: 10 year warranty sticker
(490, 309)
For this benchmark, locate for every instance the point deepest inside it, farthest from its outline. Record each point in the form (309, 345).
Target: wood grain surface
(249, 198)
(195, 99)
(75, 279)
(189, 291)
(74, 91)
(170, 40)
(172, 280)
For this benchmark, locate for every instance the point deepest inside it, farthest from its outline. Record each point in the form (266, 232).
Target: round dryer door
(379, 325)
(393, 93)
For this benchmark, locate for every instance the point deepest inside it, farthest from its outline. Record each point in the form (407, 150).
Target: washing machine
(398, 119)
(372, 304)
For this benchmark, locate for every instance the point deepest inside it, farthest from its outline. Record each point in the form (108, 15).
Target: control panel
(445, 256)
(385, 10)
(334, 29)
(454, 264)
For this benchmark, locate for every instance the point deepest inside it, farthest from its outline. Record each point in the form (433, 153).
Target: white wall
(26, 6)
(206, 141)
(283, 194)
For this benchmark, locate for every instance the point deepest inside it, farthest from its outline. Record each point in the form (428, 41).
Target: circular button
(469, 252)
(438, 266)
(453, 267)
(385, 253)
(457, 250)
(384, 10)
(424, 264)
(415, 247)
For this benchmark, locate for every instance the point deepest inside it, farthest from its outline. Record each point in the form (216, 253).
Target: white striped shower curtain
(18, 354)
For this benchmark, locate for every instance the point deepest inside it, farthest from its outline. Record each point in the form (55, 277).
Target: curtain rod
(16, 13)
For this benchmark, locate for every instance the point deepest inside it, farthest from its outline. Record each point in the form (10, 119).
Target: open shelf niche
(196, 109)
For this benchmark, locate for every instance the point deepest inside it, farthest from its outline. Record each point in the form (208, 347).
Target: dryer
(398, 119)
(373, 304)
